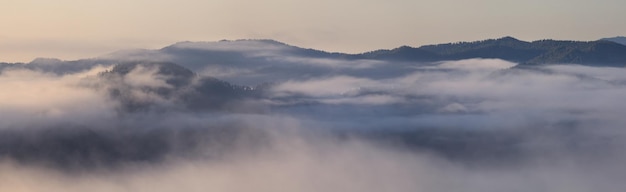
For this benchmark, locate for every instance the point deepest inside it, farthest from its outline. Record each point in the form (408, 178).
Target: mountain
(594, 53)
(259, 53)
(506, 48)
(404, 53)
(178, 85)
(253, 62)
(619, 39)
(5, 66)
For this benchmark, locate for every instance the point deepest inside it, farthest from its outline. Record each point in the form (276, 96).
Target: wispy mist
(321, 124)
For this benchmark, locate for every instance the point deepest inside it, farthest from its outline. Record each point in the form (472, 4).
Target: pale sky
(72, 29)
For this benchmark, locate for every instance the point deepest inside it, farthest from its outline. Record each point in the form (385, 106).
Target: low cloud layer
(470, 125)
(33, 99)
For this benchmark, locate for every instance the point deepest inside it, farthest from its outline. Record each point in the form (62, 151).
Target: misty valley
(261, 115)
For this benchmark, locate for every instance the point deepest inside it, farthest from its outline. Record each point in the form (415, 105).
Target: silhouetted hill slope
(602, 52)
(404, 53)
(274, 61)
(619, 39)
(5, 66)
(596, 53)
(506, 48)
(236, 50)
(178, 85)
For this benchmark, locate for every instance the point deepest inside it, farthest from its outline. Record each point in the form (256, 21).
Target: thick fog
(322, 124)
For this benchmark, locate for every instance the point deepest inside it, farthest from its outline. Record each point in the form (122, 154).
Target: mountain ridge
(618, 39)
(539, 52)
(179, 85)
(508, 48)
(526, 53)
(267, 54)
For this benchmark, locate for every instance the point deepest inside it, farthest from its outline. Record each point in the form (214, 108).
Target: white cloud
(365, 100)
(332, 63)
(303, 154)
(333, 86)
(563, 93)
(453, 108)
(477, 64)
(142, 76)
(34, 98)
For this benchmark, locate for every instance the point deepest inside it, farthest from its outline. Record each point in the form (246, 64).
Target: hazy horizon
(254, 39)
(70, 30)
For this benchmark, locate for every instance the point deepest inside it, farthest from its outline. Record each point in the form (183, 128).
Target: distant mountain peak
(404, 47)
(45, 61)
(228, 41)
(269, 41)
(508, 38)
(618, 39)
(230, 45)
